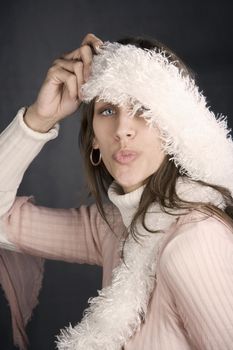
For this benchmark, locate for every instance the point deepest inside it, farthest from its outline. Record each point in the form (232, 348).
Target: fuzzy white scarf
(117, 312)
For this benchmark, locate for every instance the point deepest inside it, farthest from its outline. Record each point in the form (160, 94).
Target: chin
(129, 185)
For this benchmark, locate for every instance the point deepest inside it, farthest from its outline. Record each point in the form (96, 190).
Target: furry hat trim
(197, 140)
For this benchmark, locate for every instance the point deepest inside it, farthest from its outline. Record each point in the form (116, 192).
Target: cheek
(153, 139)
(98, 137)
(154, 147)
(100, 129)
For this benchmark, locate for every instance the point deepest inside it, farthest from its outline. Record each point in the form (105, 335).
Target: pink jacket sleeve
(197, 268)
(72, 235)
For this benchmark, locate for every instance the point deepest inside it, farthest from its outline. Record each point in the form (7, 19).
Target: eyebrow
(103, 104)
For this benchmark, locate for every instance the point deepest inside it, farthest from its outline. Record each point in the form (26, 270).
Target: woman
(165, 162)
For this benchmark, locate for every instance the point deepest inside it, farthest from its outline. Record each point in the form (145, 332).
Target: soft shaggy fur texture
(197, 140)
(117, 312)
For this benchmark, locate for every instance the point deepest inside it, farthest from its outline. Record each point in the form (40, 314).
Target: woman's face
(131, 151)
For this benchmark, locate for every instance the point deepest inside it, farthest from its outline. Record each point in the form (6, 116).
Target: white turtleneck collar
(185, 188)
(126, 200)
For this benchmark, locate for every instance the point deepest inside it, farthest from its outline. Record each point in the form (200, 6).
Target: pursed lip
(125, 156)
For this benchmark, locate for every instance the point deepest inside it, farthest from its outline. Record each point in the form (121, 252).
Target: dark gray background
(32, 35)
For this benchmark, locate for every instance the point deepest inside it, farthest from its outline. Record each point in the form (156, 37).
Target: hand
(59, 95)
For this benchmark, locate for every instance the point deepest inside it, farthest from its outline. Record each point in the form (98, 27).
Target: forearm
(19, 145)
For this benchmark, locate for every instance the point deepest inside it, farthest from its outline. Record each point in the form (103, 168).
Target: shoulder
(198, 240)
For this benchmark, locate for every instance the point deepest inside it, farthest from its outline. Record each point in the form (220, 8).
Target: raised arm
(25, 136)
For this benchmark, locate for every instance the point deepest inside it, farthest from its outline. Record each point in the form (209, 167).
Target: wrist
(35, 122)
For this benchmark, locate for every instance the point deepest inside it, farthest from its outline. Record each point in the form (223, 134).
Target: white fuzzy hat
(196, 139)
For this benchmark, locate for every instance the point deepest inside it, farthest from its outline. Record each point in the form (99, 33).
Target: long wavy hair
(160, 187)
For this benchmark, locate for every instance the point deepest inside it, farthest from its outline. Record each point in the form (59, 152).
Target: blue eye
(105, 112)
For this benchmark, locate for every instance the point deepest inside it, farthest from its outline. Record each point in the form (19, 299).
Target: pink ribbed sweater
(192, 302)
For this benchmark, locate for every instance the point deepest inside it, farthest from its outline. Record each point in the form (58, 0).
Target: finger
(73, 55)
(90, 39)
(86, 57)
(78, 68)
(60, 76)
(93, 41)
(65, 64)
(69, 65)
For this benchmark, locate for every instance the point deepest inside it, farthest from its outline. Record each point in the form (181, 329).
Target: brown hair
(160, 186)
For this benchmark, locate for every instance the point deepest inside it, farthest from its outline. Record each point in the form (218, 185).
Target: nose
(124, 127)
